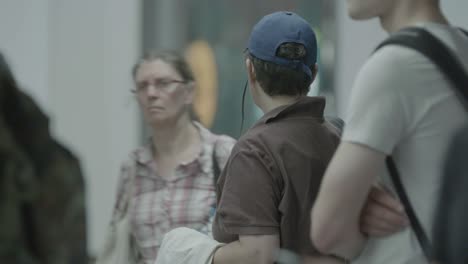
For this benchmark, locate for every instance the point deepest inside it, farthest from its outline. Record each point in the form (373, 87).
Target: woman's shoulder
(224, 145)
(141, 155)
(135, 158)
(225, 140)
(218, 139)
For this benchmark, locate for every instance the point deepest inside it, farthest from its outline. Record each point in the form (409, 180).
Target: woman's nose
(152, 91)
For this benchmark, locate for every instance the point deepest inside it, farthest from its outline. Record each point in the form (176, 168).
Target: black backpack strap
(464, 31)
(337, 124)
(438, 53)
(424, 241)
(435, 50)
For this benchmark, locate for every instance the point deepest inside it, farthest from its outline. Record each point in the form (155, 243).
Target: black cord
(243, 110)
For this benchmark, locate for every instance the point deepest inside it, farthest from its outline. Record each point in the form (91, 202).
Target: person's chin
(156, 118)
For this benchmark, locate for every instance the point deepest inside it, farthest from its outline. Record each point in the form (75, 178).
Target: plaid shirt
(159, 204)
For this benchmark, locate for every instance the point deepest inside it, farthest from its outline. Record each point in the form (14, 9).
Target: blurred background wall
(75, 58)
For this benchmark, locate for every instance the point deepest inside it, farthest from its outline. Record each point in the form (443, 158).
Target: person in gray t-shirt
(401, 105)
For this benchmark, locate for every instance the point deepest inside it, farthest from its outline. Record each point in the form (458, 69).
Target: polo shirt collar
(306, 106)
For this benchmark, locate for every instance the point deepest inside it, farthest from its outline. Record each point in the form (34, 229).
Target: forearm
(343, 193)
(248, 250)
(335, 229)
(232, 253)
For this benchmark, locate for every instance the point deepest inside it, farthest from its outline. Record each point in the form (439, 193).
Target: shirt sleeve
(377, 115)
(250, 197)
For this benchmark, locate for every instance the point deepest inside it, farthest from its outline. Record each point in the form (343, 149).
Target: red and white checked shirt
(160, 204)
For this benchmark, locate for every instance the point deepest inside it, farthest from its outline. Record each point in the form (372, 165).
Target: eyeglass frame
(162, 85)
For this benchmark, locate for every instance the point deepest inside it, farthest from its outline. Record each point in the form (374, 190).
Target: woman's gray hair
(172, 58)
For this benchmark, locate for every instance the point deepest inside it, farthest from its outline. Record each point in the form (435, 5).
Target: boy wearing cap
(274, 170)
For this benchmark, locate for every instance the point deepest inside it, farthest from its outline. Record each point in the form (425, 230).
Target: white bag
(184, 245)
(119, 245)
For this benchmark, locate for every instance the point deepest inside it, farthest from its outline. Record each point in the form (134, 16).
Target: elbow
(334, 237)
(257, 256)
(255, 250)
(324, 235)
(323, 241)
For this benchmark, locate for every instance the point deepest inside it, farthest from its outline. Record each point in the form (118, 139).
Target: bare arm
(249, 250)
(343, 193)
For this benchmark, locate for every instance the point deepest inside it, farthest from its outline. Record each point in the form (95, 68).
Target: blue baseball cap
(279, 28)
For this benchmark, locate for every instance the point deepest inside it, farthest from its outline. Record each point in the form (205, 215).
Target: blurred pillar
(327, 51)
(165, 24)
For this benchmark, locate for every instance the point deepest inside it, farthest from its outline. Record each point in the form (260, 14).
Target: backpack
(450, 228)
(436, 51)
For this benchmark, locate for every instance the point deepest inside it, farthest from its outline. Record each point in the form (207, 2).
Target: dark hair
(281, 80)
(172, 58)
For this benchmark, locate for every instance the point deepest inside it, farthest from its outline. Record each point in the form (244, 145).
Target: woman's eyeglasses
(162, 85)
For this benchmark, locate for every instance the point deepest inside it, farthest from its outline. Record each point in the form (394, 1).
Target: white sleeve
(377, 116)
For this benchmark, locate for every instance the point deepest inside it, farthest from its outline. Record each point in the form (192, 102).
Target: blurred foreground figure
(42, 211)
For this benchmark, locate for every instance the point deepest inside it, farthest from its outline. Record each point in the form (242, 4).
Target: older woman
(170, 180)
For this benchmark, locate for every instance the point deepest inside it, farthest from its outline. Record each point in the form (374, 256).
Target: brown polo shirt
(273, 176)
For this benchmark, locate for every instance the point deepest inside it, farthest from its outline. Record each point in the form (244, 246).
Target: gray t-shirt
(402, 105)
